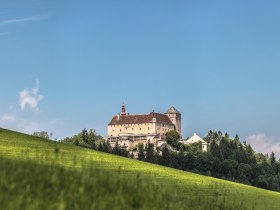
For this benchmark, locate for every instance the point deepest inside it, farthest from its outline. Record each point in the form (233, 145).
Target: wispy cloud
(31, 99)
(263, 143)
(26, 19)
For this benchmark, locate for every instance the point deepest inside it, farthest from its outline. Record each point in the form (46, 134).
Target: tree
(92, 138)
(204, 162)
(106, 146)
(250, 154)
(210, 137)
(100, 147)
(262, 182)
(236, 138)
(89, 139)
(216, 167)
(84, 136)
(229, 168)
(141, 154)
(116, 149)
(43, 134)
(260, 158)
(215, 150)
(172, 138)
(150, 154)
(226, 136)
(76, 142)
(189, 161)
(244, 173)
(276, 168)
(181, 159)
(165, 158)
(224, 148)
(272, 158)
(131, 155)
(173, 160)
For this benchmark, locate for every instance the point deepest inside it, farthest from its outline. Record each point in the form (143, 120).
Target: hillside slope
(41, 174)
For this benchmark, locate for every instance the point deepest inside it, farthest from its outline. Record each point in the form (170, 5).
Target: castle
(130, 130)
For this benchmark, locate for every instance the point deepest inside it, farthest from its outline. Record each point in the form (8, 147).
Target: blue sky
(66, 65)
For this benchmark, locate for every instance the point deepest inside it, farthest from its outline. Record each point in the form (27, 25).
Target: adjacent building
(196, 139)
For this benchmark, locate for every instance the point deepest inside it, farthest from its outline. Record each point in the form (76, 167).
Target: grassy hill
(41, 174)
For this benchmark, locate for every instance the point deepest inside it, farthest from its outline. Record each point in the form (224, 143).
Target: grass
(41, 174)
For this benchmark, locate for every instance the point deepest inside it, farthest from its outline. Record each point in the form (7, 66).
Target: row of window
(164, 130)
(131, 124)
(148, 134)
(131, 129)
(161, 124)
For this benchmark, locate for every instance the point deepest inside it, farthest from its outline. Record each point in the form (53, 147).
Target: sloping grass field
(42, 174)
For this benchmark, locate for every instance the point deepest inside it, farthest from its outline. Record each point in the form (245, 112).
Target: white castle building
(131, 129)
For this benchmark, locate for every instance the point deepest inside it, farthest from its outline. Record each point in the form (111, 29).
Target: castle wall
(140, 129)
(136, 129)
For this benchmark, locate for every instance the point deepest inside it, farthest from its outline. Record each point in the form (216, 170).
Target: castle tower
(175, 117)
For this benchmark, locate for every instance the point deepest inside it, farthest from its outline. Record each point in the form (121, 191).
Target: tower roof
(172, 110)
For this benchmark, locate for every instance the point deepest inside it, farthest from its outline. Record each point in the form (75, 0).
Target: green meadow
(40, 174)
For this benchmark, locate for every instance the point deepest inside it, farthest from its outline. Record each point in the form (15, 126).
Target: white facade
(195, 139)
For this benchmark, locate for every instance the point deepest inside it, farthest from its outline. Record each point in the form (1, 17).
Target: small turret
(123, 113)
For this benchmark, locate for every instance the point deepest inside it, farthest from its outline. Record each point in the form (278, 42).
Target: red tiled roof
(140, 119)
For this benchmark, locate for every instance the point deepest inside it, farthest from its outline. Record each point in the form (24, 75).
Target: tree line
(90, 139)
(226, 158)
